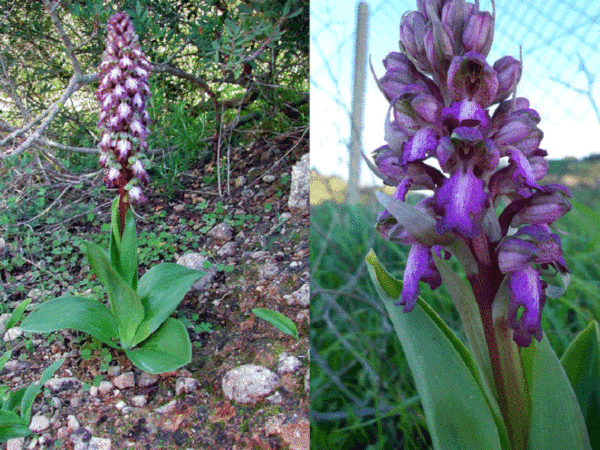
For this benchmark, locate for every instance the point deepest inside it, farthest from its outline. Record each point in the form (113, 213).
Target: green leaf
(581, 362)
(123, 250)
(464, 300)
(5, 357)
(17, 313)
(77, 313)
(12, 426)
(556, 419)
(124, 302)
(35, 388)
(167, 349)
(278, 320)
(161, 289)
(456, 409)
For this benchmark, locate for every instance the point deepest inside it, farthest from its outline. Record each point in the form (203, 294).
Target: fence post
(358, 101)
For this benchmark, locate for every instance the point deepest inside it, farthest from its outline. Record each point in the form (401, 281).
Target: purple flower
(440, 87)
(123, 95)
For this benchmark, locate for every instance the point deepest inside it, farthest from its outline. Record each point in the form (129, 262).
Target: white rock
(12, 334)
(105, 387)
(168, 408)
(288, 363)
(268, 271)
(97, 443)
(120, 405)
(39, 423)
(138, 401)
(195, 261)
(124, 381)
(228, 249)
(249, 383)
(147, 379)
(15, 444)
(72, 422)
(269, 178)
(300, 297)
(186, 385)
(299, 191)
(62, 383)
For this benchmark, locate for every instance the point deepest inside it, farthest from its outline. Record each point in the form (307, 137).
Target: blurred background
(362, 391)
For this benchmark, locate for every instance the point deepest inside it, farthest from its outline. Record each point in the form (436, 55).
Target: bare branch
(63, 36)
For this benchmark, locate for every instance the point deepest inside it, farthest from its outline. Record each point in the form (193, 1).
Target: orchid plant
(138, 317)
(490, 211)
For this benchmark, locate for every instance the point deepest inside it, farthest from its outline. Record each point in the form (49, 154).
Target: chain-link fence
(560, 44)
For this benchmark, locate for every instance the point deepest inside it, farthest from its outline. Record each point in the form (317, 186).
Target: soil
(202, 418)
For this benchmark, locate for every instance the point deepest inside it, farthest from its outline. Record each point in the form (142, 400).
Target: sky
(560, 44)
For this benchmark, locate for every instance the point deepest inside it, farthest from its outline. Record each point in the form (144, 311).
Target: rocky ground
(247, 386)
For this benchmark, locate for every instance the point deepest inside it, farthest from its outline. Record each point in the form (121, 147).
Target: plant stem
(504, 356)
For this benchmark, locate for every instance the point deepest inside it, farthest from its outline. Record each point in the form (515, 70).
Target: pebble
(147, 379)
(124, 381)
(228, 249)
(240, 181)
(62, 383)
(15, 444)
(120, 405)
(72, 422)
(138, 401)
(221, 232)
(114, 371)
(168, 408)
(186, 385)
(269, 178)
(249, 383)
(300, 297)
(288, 363)
(39, 423)
(105, 387)
(97, 443)
(12, 334)
(269, 270)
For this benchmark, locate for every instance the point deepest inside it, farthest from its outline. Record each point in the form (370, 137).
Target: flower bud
(508, 70)
(412, 38)
(525, 289)
(478, 33)
(439, 49)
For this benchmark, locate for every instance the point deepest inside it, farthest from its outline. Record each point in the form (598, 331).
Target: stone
(12, 334)
(221, 232)
(124, 381)
(4, 318)
(39, 423)
(105, 387)
(167, 408)
(268, 178)
(114, 371)
(62, 384)
(120, 405)
(97, 443)
(72, 423)
(147, 379)
(15, 444)
(138, 401)
(268, 271)
(240, 181)
(299, 191)
(228, 249)
(288, 363)
(195, 261)
(300, 297)
(307, 380)
(249, 383)
(186, 385)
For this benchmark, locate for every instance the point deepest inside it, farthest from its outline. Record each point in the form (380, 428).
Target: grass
(362, 392)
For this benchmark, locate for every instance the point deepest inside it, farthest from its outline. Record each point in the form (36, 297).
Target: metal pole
(358, 100)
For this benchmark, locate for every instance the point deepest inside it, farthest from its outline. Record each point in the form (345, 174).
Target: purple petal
(419, 267)
(515, 254)
(470, 76)
(461, 202)
(526, 292)
(420, 146)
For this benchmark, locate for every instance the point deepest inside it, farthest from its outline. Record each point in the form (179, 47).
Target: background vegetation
(362, 392)
(223, 74)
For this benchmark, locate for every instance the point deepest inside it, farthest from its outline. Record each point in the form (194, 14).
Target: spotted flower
(123, 95)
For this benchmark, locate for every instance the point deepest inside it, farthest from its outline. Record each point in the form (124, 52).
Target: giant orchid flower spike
(455, 127)
(448, 103)
(123, 95)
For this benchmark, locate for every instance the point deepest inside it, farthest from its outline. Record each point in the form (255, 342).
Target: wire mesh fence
(560, 46)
